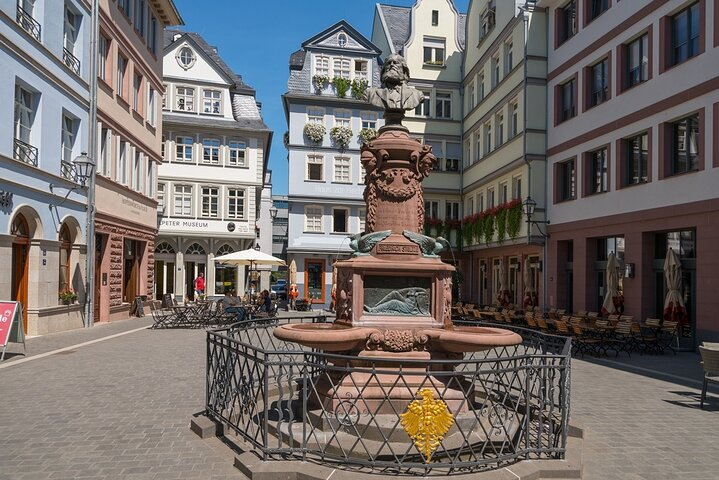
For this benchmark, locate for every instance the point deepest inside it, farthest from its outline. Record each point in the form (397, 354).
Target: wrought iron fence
(67, 170)
(72, 62)
(29, 24)
(24, 152)
(507, 404)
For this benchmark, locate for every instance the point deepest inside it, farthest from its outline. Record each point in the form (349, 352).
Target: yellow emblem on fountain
(427, 421)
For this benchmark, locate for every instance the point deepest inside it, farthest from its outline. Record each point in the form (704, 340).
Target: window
(487, 138)
(342, 172)
(161, 197)
(339, 220)
(185, 99)
(137, 171)
(362, 214)
(567, 106)
(137, 92)
(638, 61)
(435, 18)
(212, 101)
(150, 178)
(451, 211)
(183, 149)
(567, 21)
(103, 51)
(516, 187)
(637, 151)
(598, 171)
(487, 20)
(481, 86)
(503, 193)
(341, 67)
(71, 25)
(454, 152)
(163, 140)
(514, 119)
(471, 101)
(121, 172)
(438, 152)
(342, 40)
(315, 115)
(369, 120)
(322, 65)
(431, 209)
(121, 72)
(237, 154)
(599, 83)
(152, 35)
(469, 206)
(124, 5)
(165, 94)
(151, 105)
(495, 71)
(685, 34)
(235, 203)
(69, 129)
(210, 197)
(685, 145)
(361, 70)
(478, 145)
(467, 153)
(182, 203)
(64, 260)
(596, 8)
(313, 219)
(363, 173)
(342, 118)
(490, 197)
(434, 49)
(315, 168)
(105, 152)
(140, 17)
(480, 203)
(210, 151)
(500, 129)
(443, 105)
(185, 57)
(566, 181)
(508, 64)
(422, 109)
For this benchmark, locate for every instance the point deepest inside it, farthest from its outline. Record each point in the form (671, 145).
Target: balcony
(29, 24)
(67, 170)
(24, 152)
(71, 61)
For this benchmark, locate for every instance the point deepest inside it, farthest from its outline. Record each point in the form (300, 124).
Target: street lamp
(83, 168)
(529, 206)
(273, 212)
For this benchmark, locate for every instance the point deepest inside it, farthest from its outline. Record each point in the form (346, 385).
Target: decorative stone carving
(397, 341)
(407, 301)
(396, 96)
(344, 302)
(363, 244)
(430, 247)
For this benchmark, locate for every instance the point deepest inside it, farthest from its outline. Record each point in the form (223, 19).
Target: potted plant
(359, 87)
(67, 297)
(514, 218)
(341, 136)
(315, 132)
(320, 82)
(342, 85)
(366, 135)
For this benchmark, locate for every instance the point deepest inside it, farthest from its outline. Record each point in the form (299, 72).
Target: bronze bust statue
(395, 96)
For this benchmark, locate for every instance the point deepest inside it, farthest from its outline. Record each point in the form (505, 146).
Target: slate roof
(255, 124)
(297, 60)
(210, 51)
(398, 20)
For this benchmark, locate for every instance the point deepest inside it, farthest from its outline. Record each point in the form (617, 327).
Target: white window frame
(137, 95)
(150, 178)
(238, 150)
(166, 96)
(508, 56)
(314, 218)
(514, 119)
(499, 129)
(151, 105)
(121, 74)
(347, 219)
(496, 72)
(238, 202)
(315, 160)
(368, 120)
(68, 137)
(181, 94)
(183, 193)
(437, 50)
(517, 187)
(105, 152)
(183, 158)
(343, 118)
(24, 113)
(215, 101)
(137, 168)
(71, 27)
(313, 115)
(360, 74)
(342, 67)
(445, 99)
(424, 109)
(211, 151)
(487, 138)
(161, 189)
(342, 170)
(123, 150)
(433, 210)
(362, 218)
(321, 65)
(212, 194)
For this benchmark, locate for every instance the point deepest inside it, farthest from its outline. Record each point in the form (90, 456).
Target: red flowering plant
(432, 222)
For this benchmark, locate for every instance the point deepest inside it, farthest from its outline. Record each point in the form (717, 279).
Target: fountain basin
(472, 339)
(328, 337)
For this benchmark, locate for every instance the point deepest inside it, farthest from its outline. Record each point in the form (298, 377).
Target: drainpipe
(92, 153)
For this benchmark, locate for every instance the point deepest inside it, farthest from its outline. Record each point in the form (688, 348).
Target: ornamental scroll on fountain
(394, 295)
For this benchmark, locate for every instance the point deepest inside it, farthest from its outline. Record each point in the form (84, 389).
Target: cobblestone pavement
(120, 408)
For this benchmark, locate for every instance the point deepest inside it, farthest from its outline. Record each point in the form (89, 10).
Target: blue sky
(255, 38)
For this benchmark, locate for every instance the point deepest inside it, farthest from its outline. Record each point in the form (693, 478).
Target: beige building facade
(129, 150)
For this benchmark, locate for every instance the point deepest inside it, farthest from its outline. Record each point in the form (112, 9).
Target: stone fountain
(394, 295)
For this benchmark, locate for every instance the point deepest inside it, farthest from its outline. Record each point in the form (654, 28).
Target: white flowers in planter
(320, 82)
(341, 136)
(315, 132)
(367, 135)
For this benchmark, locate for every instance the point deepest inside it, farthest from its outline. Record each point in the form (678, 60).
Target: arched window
(224, 250)
(64, 261)
(195, 249)
(164, 247)
(19, 227)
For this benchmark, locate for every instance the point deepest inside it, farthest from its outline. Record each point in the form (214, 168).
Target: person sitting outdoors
(266, 302)
(232, 305)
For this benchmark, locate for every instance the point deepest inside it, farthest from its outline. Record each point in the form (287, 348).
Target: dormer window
(342, 40)
(212, 101)
(185, 57)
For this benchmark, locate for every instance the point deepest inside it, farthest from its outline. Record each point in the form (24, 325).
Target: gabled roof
(172, 37)
(342, 25)
(397, 24)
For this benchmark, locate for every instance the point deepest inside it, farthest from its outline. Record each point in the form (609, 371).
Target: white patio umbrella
(528, 287)
(501, 295)
(250, 257)
(608, 306)
(293, 272)
(673, 302)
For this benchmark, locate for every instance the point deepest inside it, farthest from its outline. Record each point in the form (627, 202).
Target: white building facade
(216, 148)
(44, 72)
(325, 118)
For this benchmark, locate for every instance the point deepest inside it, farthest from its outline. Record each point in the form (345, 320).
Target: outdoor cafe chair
(624, 339)
(668, 335)
(646, 338)
(584, 342)
(161, 317)
(562, 328)
(710, 364)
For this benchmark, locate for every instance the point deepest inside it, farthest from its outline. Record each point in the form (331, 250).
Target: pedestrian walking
(200, 284)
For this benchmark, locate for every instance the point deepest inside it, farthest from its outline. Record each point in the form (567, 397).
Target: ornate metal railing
(24, 152)
(71, 61)
(273, 395)
(67, 170)
(29, 24)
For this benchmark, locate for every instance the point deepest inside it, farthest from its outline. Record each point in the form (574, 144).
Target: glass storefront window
(314, 276)
(682, 242)
(610, 244)
(225, 279)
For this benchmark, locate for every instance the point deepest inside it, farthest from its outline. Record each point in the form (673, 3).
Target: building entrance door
(99, 245)
(20, 260)
(192, 271)
(131, 271)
